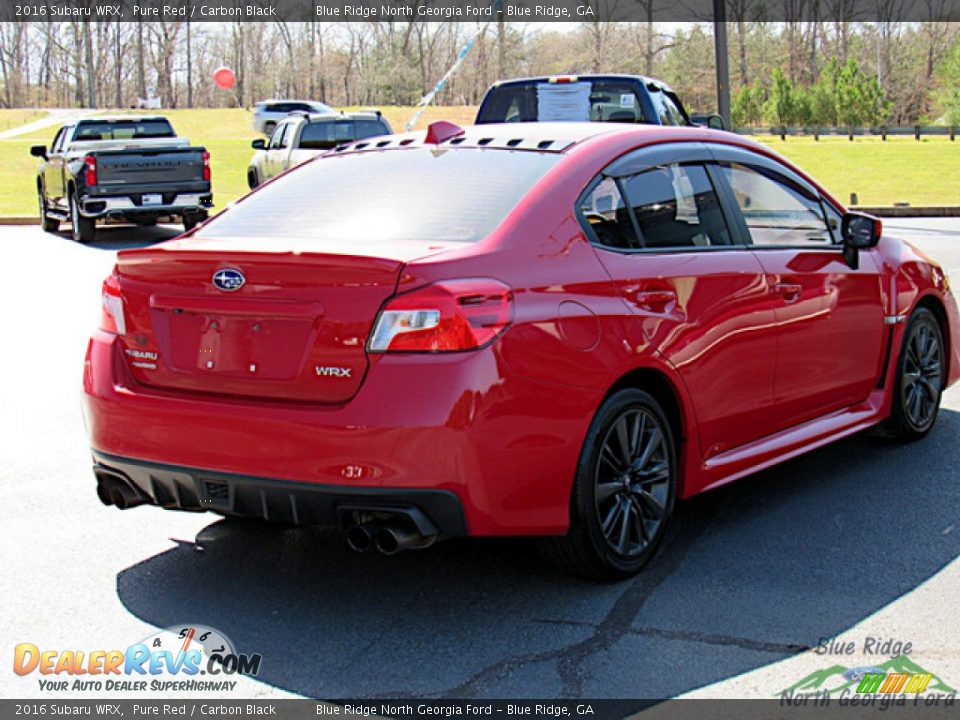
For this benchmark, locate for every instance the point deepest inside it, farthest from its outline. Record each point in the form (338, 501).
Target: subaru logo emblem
(228, 279)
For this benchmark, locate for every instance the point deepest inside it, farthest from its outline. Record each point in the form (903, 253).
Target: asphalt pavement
(860, 539)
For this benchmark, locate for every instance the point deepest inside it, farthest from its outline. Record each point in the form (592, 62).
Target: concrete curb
(903, 212)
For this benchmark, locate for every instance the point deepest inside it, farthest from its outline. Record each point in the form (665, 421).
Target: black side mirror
(860, 230)
(39, 151)
(259, 144)
(715, 122)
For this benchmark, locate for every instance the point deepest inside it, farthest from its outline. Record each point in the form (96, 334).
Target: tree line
(783, 73)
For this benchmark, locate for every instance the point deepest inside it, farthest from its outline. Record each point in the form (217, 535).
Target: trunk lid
(295, 330)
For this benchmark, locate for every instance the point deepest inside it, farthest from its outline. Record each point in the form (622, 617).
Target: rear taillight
(111, 320)
(206, 166)
(444, 317)
(90, 170)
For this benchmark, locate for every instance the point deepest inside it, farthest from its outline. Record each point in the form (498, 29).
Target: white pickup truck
(301, 136)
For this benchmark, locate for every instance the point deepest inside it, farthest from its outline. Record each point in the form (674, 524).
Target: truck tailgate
(153, 167)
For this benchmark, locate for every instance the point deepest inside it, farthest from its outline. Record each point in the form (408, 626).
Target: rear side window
(608, 216)
(672, 206)
(325, 135)
(676, 206)
(668, 111)
(358, 199)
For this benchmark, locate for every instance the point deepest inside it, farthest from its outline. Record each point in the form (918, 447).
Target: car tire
(48, 223)
(623, 492)
(84, 229)
(191, 220)
(252, 180)
(919, 380)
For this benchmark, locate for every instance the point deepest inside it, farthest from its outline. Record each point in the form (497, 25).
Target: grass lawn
(881, 173)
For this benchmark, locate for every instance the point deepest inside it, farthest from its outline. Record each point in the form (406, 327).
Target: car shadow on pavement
(748, 575)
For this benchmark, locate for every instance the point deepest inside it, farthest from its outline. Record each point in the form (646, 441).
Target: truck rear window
(124, 130)
(458, 195)
(325, 135)
(587, 100)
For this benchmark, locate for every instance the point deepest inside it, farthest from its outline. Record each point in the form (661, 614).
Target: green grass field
(881, 173)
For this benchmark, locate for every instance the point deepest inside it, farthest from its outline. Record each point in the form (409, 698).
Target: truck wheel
(48, 223)
(84, 228)
(191, 220)
(252, 178)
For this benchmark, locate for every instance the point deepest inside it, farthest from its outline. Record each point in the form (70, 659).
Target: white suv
(267, 113)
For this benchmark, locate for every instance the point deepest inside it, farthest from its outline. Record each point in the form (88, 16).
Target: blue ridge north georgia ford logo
(228, 279)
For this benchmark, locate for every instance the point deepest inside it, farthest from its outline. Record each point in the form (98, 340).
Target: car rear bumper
(191, 489)
(504, 447)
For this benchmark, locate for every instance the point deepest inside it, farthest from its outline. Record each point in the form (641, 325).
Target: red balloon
(224, 77)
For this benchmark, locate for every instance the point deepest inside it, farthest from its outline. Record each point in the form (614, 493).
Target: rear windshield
(124, 130)
(586, 100)
(324, 135)
(457, 195)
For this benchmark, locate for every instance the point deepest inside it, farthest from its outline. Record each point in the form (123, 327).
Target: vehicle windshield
(124, 130)
(450, 195)
(325, 135)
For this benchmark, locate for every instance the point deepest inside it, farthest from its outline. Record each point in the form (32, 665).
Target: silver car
(267, 113)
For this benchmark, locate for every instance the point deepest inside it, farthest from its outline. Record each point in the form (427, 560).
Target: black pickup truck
(587, 98)
(126, 169)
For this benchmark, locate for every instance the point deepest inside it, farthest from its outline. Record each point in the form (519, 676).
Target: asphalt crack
(616, 624)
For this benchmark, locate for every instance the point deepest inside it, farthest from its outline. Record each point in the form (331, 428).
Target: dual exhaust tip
(387, 537)
(113, 490)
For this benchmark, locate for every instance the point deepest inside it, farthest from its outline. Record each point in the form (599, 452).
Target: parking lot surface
(857, 540)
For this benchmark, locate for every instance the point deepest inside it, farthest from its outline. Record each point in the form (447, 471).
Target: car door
(53, 180)
(830, 330)
(273, 162)
(697, 291)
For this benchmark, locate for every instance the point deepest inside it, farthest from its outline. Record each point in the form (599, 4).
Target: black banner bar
(468, 11)
(847, 708)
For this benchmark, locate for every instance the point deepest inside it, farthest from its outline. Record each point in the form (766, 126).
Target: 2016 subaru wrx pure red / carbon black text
(549, 329)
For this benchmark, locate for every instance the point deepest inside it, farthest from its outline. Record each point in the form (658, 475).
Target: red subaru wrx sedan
(549, 329)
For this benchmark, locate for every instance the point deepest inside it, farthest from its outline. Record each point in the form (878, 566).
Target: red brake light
(447, 316)
(90, 165)
(111, 319)
(206, 166)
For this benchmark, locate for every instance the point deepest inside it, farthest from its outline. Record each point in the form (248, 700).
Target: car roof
(290, 100)
(646, 80)
(554, 137)
(121, 118)
(335, 115)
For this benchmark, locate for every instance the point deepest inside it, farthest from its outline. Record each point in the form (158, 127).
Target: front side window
(777, 211)
(278, 139)
(667, 111)
(676, 206)
(57, 144)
